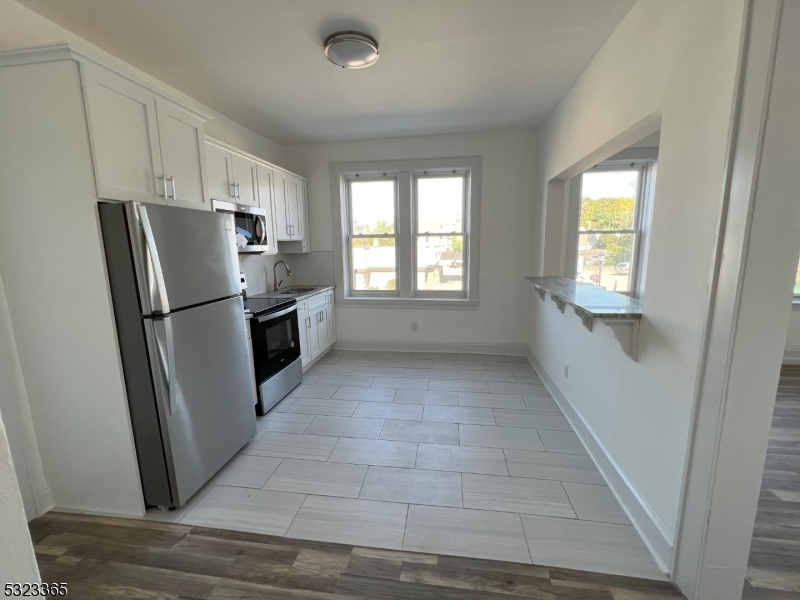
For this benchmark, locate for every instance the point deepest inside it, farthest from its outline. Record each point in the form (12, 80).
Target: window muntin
(610, 228)
(372, 238)
(439, 234)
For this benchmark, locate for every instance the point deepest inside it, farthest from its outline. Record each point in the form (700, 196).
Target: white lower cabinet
(317, 328)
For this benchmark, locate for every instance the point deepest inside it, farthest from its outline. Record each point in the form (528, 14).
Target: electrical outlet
(414, 326)
(566, 371)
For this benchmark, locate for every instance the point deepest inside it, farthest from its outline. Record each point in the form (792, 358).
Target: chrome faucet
(275, 274)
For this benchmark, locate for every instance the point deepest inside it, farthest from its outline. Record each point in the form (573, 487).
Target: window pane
(608, 199)
(373, 264)
(606, 260)
(440, 204)
(797, 282)
(372, 206)
(440, 262)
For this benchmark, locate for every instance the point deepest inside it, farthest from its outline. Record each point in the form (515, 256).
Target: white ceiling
(446, 66)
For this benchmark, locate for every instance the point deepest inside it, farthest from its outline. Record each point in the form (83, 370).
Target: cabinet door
(279, 199)
(302, 211)
(293, 207)
(123, 130)
(331, 320)
(265, 187)
(220, 173)
(183, 153)
(305, 340)
(313, 335)
(245, 180)
(322, 330)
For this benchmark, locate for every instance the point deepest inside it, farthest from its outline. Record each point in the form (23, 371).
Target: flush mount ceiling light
(351, 49)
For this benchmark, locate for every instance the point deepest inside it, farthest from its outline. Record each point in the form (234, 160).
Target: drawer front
(316, 301)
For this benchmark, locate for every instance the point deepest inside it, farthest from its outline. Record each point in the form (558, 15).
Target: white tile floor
(442, 453)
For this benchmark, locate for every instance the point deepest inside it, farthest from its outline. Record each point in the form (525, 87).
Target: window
(409, 232)
(797, 286)
(439, 235)
(612, 225)
(373, 240)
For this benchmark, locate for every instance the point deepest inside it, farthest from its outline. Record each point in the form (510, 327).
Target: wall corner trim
(652, 531)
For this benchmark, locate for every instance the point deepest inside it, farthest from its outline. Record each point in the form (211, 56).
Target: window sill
(446, 303)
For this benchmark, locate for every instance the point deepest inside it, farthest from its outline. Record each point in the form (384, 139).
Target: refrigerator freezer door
(184, 256)
(203, 389)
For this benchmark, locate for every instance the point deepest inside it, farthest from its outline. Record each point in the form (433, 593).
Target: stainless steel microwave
(249, 221)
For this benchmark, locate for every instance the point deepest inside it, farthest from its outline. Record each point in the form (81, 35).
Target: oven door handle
(275, 315)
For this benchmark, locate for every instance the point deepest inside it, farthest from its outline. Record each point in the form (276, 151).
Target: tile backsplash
(314, 268)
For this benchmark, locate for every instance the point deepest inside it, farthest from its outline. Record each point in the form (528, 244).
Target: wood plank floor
(102, 558)
(774, 569)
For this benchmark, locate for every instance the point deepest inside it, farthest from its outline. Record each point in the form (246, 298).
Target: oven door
(276, 342)
(250, 222)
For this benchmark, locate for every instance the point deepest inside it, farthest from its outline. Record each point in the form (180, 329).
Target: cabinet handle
(238, 191)
(164, 183)
(166, 191)
(174, 193)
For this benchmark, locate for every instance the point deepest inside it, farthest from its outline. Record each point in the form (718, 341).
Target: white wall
(507, 237)
(20, 27)
(17, 561)
(69, 371)
(669, 64)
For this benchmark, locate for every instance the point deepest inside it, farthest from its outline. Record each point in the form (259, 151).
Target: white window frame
(348, 208)
(405, 174)
(642, 217)
(465, 233)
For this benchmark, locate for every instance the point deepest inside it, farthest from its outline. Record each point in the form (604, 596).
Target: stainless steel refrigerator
(174, 279)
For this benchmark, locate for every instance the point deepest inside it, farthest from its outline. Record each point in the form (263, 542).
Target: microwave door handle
(262, 220)
(166, 359)
(155, 275)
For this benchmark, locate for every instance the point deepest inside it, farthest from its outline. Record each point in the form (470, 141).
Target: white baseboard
(652, 531)
(466, 348)
(45, 502)
(791, 355)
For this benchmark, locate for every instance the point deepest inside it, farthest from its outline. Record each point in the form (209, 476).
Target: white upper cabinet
(218, 161)
(288, 207)
(235, 176)
(231, 176)
(123, 129)
(144, 147)
(265, 178)
(281, 208)
(183, 156)
(245, 180)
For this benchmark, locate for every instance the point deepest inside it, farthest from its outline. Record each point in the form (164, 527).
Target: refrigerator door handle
(166, 359)
(158, 298)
